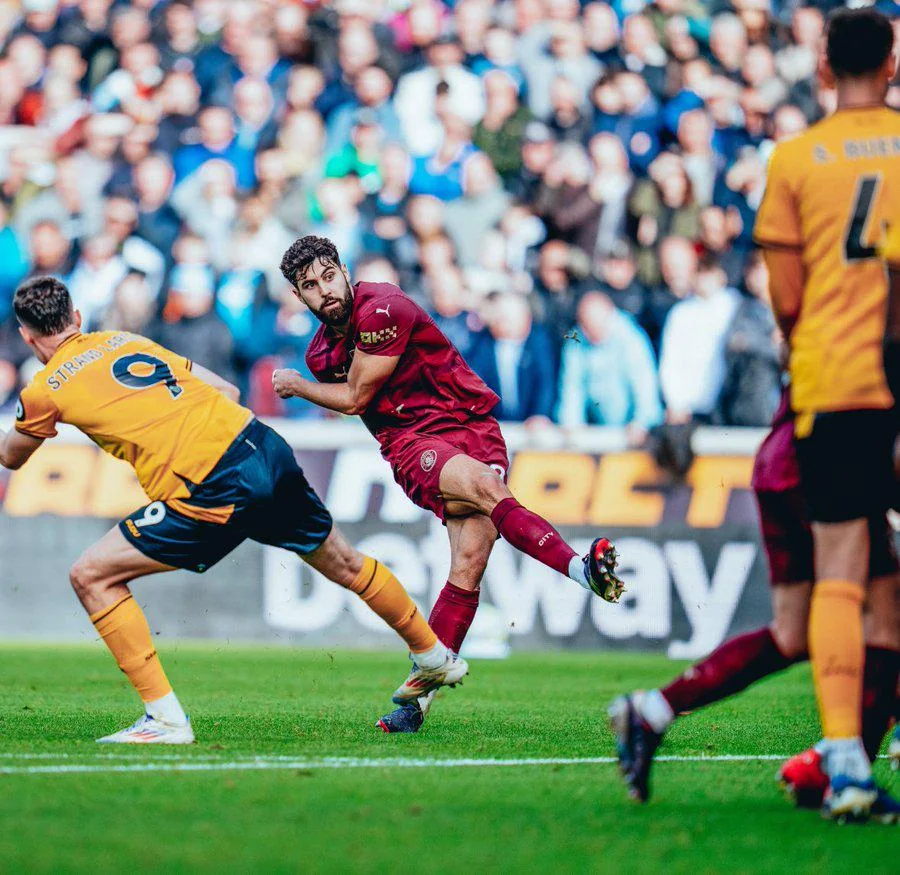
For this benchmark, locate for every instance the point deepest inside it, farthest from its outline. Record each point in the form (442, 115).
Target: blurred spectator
(469, 218)
(207, 203)
(608, 374)
(254, 108)
(447, 294)
(157, 222)
(501, 131)
(692, 359)
(678, 269)
(558, 286)
(339, 200)
(383, 211)
(753, 365)
(440, 173)
(511, 356)
(132, 308)
(538, 148)
(51, 251)
(592, 214)
(98, 271)
(662, 206)
(715, 238)
(417, 98)
(372, 92)
(551, 50)
(217, 141)
(619, 282)
(192, 327)
(13, 265)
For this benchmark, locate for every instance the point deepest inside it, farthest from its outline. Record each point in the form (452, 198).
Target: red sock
(726, 671)
(452, 615)
(532, 534)
(879, 695)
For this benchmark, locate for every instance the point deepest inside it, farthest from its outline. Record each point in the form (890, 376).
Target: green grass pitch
(294, 708)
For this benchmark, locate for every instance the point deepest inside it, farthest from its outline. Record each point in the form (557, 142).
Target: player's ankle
(656, 710)
(168, 709)
(434, 657)
(578, 572)
(846, 756)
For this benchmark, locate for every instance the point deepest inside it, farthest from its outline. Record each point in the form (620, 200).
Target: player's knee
(85, 576)
(490, 489)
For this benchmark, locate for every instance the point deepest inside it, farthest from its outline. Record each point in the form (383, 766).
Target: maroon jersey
(776, 468)
(431, 385)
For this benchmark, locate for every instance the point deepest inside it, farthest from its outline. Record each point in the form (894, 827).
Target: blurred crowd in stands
(569, 188)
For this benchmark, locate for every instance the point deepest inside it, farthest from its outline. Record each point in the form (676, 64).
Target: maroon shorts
(788, 541)
(417, 458)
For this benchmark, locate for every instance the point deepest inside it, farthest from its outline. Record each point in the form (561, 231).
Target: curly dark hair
(303, 252)
(44, 305)
(858, 41)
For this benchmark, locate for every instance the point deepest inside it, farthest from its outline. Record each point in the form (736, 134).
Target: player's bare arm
(229, 390)
(367, 375)
(786, 280)
(17, 448)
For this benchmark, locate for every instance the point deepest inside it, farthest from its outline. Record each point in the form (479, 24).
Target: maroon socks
(727, 670)
(452, 615)
(533, 535)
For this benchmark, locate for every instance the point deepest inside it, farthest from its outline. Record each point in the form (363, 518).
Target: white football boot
(149, 730)
(422, 681)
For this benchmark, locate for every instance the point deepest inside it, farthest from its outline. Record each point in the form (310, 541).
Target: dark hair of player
(43, 305)
(303, 252)
(858, 42)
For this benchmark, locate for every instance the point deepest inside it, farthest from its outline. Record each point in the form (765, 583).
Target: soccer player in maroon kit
(640, 719)
(380, 356)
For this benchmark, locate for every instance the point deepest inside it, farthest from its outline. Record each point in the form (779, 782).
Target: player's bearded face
(326, 290)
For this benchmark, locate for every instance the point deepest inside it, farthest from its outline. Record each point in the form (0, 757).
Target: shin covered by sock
(879, 699)
(727, 670)
(532, 534)
(452, 614)
(837, 654)
(385, 595)
(124, 628)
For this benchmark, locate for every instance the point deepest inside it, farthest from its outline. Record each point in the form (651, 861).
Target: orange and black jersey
(829, 195)
(139, 402)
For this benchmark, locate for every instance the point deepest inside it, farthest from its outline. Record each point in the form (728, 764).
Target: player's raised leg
(471, 541)
(640, 720)
(100, 577)
(433, 663)
(469, 485)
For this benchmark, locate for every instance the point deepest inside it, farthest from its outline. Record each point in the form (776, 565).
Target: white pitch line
(288, 763)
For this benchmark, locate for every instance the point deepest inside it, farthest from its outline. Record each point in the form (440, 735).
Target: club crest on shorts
(429, 457)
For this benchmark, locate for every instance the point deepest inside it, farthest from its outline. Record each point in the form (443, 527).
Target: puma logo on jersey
(385, 310)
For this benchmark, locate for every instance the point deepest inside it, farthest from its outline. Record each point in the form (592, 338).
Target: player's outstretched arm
(17, 448)
(216, 382)
(367, 375)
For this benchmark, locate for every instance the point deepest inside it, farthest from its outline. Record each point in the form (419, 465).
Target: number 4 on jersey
(866, 192)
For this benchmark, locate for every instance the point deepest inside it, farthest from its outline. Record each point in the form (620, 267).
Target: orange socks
(385, 595)
(124, 629)
(837, 654)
